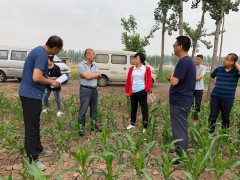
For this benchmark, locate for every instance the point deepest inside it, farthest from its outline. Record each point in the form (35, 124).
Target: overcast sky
(96, 24)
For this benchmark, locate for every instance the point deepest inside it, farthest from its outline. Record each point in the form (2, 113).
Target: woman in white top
(139, 83)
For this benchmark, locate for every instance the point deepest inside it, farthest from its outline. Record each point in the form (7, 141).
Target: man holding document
(33, 83)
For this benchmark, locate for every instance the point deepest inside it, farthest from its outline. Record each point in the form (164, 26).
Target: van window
(119, 59)
(102, 58)
(131, 60)
(19, 55)
(3, 54)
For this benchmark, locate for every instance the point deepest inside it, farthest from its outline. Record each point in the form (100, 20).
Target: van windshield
(56, 59)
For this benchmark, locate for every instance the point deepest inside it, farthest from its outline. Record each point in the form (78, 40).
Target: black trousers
(140, 97)
(197, 102)
(217, 105)
(31, 113)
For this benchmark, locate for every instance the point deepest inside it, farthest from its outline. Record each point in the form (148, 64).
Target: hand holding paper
(61, 79)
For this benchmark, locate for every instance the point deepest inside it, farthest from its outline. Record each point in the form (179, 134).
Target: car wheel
(3, 76)
(102, 81)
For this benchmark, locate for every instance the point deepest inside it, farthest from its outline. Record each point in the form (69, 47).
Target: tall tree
(199, 33)
(180, 12)
(168, 23)
(221, 42)
(217, 9)
(132, 40)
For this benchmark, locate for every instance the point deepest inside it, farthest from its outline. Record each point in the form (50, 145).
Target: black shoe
(96, 129)
(177, 162)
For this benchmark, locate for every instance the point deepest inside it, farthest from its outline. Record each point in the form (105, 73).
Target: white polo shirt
(200, 84)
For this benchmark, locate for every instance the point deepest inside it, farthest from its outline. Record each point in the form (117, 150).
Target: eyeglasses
(175, 45)
(225, 59)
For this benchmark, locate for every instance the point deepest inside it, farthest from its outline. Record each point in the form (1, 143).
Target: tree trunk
(194, 46)
(221, 43)
(215, 49)
(199, 34)
(180, 23)
(162, 50)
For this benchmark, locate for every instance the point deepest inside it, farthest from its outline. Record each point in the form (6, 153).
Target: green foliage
(167, 13)
(132, 40)
(76, 56)
(84, 159)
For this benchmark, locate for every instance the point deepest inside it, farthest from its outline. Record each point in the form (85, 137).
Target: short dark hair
(234, 57)
(141, 56)
(184, 41)
(200, 56)
(86, 51)
(54, 41)
(50, 57)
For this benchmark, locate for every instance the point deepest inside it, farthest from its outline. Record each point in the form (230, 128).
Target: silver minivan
(114, 66)
(12, 61)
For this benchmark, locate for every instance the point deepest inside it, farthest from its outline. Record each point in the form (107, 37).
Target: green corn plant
(6, 103)
(139, 157)
(108, 154)
(196, 165)
(166, 133)
(128, 106)
(167, 163)
(199, 139)
(7, 177)
(68, 136)
(222, 167)
(82, 157)
(108, 157)
(33, 172)
(150, 134)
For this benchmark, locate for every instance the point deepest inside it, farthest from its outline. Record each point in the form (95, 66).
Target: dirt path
(10, 88)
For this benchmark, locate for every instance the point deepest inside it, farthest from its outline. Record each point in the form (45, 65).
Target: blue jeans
(88, 98)
(56, 97)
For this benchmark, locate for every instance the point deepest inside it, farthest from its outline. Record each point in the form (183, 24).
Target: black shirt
(54, 72)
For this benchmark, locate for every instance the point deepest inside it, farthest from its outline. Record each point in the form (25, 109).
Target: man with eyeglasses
(225, 79)
(33, 83)
(183, 82)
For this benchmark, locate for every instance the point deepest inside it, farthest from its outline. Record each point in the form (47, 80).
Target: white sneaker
(59, 113)
(144, 130)
(130, 126)
(40, 165)
(46, 153)
(44, 111)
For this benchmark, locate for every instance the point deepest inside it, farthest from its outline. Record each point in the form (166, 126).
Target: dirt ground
(117, 89)
(10, 88)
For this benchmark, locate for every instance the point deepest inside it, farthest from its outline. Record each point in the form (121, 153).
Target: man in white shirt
(200, 72)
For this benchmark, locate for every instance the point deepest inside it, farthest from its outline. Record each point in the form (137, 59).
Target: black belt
(89, 87)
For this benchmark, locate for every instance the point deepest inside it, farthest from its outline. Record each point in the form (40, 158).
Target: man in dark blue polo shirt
(225, 79)
(181, 92)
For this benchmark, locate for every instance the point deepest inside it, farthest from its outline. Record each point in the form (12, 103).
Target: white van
(12, 61)
(114, 66)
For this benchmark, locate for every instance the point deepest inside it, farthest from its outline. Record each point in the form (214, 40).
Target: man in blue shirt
(183, 82)
(33, 83)
(225, 79)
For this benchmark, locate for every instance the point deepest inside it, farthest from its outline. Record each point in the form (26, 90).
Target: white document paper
(61, 79)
